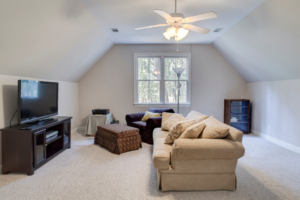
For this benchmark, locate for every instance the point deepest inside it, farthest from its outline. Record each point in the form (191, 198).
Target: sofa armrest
(134, 117)
(153, 123)
(161, 154)
(201, 149)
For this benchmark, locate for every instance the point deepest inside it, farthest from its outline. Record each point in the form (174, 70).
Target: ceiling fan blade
(163, 14)
(158, 25)
(195, 28)
(203, 16)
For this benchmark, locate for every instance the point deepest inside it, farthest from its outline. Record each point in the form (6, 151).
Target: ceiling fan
(180, 24)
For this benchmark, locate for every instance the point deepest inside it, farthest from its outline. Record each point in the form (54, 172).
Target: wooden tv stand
(26, 150)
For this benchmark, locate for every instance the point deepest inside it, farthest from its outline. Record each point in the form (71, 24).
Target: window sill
(184, 105)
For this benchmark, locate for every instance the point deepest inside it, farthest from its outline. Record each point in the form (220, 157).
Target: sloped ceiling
(129, 14)
(56, 39)
(265, 45)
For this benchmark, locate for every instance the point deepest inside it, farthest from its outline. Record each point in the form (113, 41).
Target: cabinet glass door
(239, 116)
(67, 134)
(39, 147)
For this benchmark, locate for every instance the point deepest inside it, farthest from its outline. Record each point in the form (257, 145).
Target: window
(155, 81)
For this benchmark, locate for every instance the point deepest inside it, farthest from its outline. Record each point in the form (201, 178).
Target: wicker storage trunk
(118, 138)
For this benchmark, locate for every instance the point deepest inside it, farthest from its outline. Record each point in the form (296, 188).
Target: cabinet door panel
(67, 134)
(39, 147)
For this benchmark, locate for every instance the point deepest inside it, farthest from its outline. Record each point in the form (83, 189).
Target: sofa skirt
(204, 182)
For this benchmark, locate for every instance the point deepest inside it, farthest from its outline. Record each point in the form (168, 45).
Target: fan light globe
(166, 35)
(181, 34)
(178, 33)
(171, 31)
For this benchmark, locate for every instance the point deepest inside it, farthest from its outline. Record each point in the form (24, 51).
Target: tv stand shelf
(53, 140)
(24, 151)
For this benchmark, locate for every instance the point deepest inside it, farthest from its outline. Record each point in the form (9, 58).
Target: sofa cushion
(177, 129)
(193, 131)
(140, 125)
(214, 129)
(150, 115)
(166, 125)
(158, 133)
(161, 154)
(198, 117)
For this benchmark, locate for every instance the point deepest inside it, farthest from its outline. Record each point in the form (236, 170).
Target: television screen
(37, 100)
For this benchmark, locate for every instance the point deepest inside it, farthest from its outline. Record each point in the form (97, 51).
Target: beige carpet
(87, 171)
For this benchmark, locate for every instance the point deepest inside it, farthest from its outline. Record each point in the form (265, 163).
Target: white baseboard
(81, 128)
(277, 141)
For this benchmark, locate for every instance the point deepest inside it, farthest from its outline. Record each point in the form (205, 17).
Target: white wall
(55, 40)
(265, 45)
(67, 102)
(109, 84)
(275, 109)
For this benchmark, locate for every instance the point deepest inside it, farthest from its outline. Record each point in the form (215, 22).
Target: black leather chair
(147, 127)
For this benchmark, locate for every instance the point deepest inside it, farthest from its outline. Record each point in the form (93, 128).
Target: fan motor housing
(177, 15)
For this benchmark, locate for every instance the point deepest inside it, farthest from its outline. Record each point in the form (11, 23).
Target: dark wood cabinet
(237, 114)
(24, 151)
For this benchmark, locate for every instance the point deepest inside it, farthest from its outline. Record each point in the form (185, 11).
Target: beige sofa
(197, 164)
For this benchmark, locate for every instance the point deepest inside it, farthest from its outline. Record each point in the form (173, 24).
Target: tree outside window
(156, 81)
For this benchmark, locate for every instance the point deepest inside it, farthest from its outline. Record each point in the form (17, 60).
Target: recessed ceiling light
(115, 30)
(217, 30)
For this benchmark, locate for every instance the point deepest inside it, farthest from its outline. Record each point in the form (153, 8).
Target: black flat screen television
(37, 100)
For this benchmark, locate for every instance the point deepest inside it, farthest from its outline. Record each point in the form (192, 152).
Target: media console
(26, 150)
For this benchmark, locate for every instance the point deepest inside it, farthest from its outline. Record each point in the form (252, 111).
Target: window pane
(171, 63)
(148, 69)
(149, 91)
(171, 92)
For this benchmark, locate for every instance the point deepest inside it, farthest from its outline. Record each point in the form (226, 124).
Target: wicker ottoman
(118, 138)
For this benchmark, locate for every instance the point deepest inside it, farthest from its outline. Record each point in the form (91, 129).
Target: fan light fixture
(181, 25)
(178, 33)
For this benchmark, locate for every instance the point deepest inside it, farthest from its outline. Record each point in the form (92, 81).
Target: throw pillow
(198, 117)
(193, 132)
(150, 115)
(214, 129)
(177, 129)
(171, 121)
(166, 116)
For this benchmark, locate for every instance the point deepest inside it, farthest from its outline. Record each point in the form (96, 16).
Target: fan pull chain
(177, 46)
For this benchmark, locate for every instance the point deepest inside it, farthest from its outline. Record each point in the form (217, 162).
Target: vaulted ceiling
(265, 45)
(55, 40)
(129, 14)
(63, 39)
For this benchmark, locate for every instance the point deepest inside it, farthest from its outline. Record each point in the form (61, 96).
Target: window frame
(162, 80)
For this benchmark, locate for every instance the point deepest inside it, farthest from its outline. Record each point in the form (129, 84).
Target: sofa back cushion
(214, 129)
(234, 134)
(168, 120)
(198, 117)
(177, 129)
